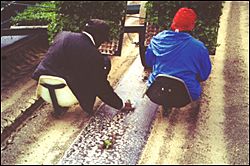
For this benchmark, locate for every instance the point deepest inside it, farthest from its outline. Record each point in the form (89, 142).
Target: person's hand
(129, 106)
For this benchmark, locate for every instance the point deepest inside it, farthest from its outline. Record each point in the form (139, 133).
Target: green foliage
(107, 144)
(161, 13)
(74, 15)
(41, 14)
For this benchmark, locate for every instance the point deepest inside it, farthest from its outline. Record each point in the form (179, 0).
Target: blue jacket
(179, 54)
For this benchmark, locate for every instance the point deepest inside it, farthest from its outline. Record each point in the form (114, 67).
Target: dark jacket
(74, 57)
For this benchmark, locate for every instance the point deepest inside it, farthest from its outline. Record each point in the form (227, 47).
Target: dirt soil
(218, 132)
(43, 139)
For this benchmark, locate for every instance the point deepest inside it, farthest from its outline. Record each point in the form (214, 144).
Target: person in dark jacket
(175, 52)
(75, 57)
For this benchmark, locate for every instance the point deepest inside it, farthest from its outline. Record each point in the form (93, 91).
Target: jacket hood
(168, 42)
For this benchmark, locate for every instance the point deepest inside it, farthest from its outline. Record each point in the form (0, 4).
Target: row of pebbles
(89, 147)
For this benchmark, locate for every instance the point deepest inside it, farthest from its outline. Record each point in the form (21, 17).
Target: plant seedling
(107, 144)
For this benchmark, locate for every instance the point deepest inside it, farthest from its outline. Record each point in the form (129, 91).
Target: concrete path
(217, 133)
(130, 134)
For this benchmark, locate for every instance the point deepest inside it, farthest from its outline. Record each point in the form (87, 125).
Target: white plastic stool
(55, 90)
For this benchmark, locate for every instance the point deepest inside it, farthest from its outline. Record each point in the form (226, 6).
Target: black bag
(169, 91)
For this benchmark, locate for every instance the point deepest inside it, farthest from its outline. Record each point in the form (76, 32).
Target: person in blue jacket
(175, 52)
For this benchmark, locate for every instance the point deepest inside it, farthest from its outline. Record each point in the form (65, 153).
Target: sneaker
(59, 113)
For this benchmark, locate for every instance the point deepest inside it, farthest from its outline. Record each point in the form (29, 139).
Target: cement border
(138, 125)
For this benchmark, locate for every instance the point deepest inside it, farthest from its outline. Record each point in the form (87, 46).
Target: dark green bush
(73, 15)
(40, 14)
(161, 13)
(43, 13)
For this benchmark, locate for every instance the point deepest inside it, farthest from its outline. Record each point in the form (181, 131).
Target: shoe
(59, 113)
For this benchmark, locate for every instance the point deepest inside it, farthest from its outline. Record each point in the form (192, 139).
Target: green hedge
(43, 13)
(40, 14)
(72, 15)
(161, 13)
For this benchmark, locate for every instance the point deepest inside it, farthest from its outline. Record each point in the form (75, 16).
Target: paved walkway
(234, 53)
(219, 132)
(128, 130)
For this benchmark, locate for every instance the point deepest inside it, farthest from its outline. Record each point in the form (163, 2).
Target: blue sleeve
(205, 65)
(150, 57)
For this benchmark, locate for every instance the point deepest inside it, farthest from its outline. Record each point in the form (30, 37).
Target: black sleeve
(87, 67)
(108, 96)
(104, 90)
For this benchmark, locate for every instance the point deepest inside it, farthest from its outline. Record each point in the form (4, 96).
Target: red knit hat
(184, 20)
